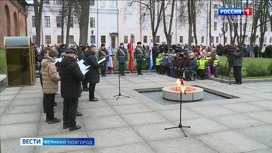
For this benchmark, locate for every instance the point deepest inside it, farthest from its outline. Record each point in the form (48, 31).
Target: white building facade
(113, 22)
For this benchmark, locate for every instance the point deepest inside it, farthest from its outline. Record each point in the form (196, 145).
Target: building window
(192, 37)
(71, 39)
(215, 13)
(270, 40)
(46, 1)
(58, 21)
(217, 40)
(180, 39)
(202, 39)
(92, 2)
(212, 39)
(157, 39)
(59, 39)
(215, 26)
(48, 39)
(103, 39)
(265, 39)
(226, 27)
(145, 39)
(34, 38)
(47, 21)
(226, 39)
(71, 22)
(92, 40)
(33, 21)
(92, 22)
(133, 38)
(125, 39)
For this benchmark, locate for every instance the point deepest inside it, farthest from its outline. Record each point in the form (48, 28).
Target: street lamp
(92, 37)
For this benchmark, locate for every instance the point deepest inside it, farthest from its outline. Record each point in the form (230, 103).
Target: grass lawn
(264, 62)
(2, 62)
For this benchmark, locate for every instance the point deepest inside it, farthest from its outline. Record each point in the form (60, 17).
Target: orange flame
(181, 85)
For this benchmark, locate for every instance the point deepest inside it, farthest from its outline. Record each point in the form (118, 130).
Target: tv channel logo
(31, 141)
(235, 11)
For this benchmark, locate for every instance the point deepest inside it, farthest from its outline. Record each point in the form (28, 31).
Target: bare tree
(38, 8)
(168, 32)
(264, 17)
(69, 15)
(154, 9)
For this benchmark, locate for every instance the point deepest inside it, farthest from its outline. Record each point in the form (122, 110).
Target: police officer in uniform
(139, 55)
(101, 54)
(122, 57)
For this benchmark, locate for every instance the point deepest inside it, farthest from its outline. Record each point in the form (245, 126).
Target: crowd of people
(181, 62)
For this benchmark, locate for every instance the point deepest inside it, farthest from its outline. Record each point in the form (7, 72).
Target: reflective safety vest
(158, 60)
(215, 62)
(201, 64)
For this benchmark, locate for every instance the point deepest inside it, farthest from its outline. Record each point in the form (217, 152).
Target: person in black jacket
(237, 59)
(83, 57)
(71, 78)
(93, 73)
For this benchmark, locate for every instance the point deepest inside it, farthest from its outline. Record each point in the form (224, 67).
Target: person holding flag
(130, 51)
(101, 54)
(150, 54)
(122, 57)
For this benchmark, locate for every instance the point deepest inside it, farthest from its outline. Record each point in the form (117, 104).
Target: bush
(2, 62)
(256, 70)
(269, 68)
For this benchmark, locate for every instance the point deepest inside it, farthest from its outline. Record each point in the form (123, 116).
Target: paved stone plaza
(136, 124)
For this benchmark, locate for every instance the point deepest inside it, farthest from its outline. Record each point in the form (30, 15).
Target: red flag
(130, 51)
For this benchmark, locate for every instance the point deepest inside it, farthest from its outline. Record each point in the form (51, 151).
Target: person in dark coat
(184, 63)
(71, 78)
(93, 73)
(155, 53)
(192, 67)
(83, 57)
(103, 53)
(139, 55)
(122, 57)
(237, 60)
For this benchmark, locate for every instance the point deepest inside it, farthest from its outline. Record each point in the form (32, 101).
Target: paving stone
(18, 130)
(13, 146)
(202, 126)
(178, 145)
(263, 104)
(23, 109)
(127, 109)
(152, 132)
(264, 116)
(7, 97)
(115, 137)
(24, 102)
(130, 148)
(243, 107)
(143, 118)
(212, 110)
(236, 121)
(174, 114)
(122, 101)
(8, 92)
(269, 150)
(99, 111)
(105, 122)
(28, 96)
(231, 141)
(20, 118)
(261, 133)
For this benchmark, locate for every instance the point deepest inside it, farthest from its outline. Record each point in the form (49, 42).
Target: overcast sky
(29, 1)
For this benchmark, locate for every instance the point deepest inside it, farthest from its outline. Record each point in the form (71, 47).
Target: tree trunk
(263, 22)
(62, 21)
(84, 21)
(210, 22)
(68, 22)
(168, 32)
(38, 7)
(190, 24)
(194, 20)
